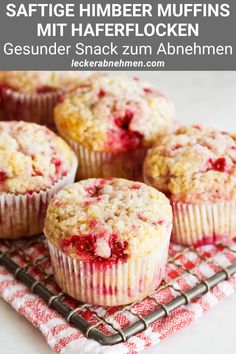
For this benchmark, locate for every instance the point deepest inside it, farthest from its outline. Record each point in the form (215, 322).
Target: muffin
(108, 240)
(34, 164)
(196, 168)
(31, 95)
(110, 121)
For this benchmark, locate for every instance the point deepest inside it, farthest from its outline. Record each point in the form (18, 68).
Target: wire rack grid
(29, 261)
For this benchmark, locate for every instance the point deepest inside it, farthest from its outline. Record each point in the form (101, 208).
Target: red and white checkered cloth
(63, 338)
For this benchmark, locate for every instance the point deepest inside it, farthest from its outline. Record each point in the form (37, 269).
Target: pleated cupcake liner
(37, 108)
(204, 223)
(23, 215)
(95, 164)
(108, 284)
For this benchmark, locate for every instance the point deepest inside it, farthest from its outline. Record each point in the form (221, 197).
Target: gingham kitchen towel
(63, 338)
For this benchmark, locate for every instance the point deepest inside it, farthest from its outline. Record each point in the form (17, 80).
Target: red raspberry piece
(30, 191)
(45, 89)
(128, 139)
(85, 247)
(123, 122)
(85, 244)
(219, 165)
(57, 164)
(148, 90)
(128, 114)
(101, 93)
(92, 223)
(117, 249)
(132, 140)
(119, 122)
(93, 191)
(66, 242)
(3, 176)
(136, 186)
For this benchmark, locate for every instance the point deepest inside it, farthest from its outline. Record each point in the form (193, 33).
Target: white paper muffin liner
(23, 215)
(204, 223)
(110, 284)
(105, 164)
(37, 108)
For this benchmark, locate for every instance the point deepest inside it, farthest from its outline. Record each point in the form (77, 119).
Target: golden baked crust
(113, 113)
(101, 219)
(193, 165)
(32, 158)
(39, 81)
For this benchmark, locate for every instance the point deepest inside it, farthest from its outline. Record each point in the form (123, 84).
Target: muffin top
(113, 113)
(39, 82)
(193, 165)
(106, 220)
(32, 158)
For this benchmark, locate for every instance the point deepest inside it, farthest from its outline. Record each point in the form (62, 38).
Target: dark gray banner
(117, 35)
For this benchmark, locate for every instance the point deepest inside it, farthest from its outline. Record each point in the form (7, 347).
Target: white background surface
(200, 97)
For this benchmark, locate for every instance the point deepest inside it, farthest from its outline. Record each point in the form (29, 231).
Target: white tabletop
(200, 97)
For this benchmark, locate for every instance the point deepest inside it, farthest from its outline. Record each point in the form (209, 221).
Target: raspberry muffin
(31, 95)
(110, 121)
(108, 240)
(34, 164)
(196, 168)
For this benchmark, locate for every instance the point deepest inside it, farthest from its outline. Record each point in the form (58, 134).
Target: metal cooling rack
(99, 323)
